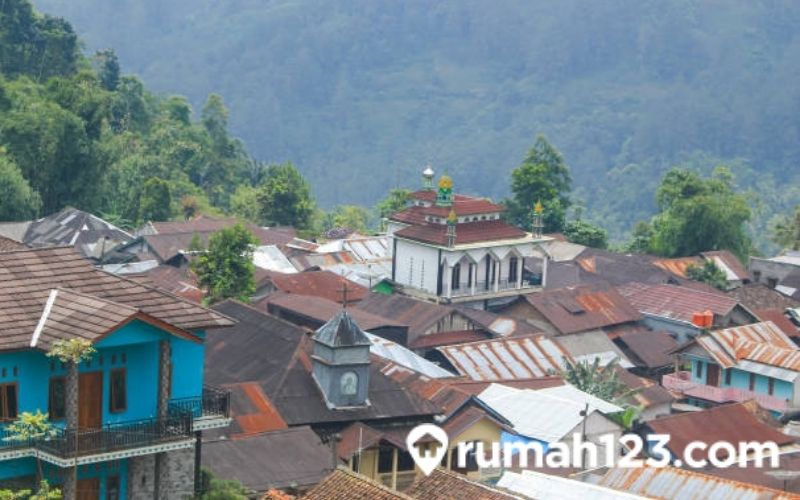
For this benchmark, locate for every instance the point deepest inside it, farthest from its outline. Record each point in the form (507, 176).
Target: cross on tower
(344, 291)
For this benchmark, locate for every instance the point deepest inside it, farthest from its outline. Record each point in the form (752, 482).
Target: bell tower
(341, 362)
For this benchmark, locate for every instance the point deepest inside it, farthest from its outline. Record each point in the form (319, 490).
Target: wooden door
(712, 377)
(90, 396)
(88, 489)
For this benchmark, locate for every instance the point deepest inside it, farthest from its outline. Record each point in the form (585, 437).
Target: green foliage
(45, 492)
(284, 198)
(226, 269)
(18, 200)
(221, 489)
(74, 350)
(602, 382)
(698, 215)
(641, 238)
(353, 217)
(155, 202)
(708, 273)
(584, 233)
(30, 426)
(786, 230)
(107, 69)
(244, 203)
(396, 200)
(542, 177)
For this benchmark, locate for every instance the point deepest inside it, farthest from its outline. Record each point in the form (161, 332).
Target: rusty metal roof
(678, 266)
(675, 302)
(733, 423)
(763, 343)
(584, 307)
(323, 284)
(648, 349)
(670, 483)
(507, 359)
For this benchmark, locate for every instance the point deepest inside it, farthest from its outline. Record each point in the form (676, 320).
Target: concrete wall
(177, 476)
(416, 265)
(764, 269)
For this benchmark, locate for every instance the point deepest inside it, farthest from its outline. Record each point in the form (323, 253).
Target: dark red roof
(469, 232)
(649, 349)
(321, 310)
(732, 423)
(325, 284)
(675, 302)
(581, 308)
(447, 338)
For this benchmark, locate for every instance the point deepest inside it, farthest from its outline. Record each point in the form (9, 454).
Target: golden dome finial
(445, 182)
(538, 208)
(451, 217)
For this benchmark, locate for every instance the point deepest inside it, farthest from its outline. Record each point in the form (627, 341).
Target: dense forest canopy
(348, 90)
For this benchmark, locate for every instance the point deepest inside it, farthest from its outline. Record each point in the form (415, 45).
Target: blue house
(142, 403)
(756, 361)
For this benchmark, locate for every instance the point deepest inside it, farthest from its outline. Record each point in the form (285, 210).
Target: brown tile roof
(181, 282)
(321, 310)
(675, 302)
(27, 278)
(648, 349)
(581, 308)
(760, 296)
(778, 317)
(360, 436)
(323, 284)
(7, 244)
(344, 484)
(732, 423)
(462, 204)
(418, 315)
(448, 485)
(469, 232)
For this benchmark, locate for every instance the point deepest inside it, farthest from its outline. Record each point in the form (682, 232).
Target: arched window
(456, 281)
(512, 269)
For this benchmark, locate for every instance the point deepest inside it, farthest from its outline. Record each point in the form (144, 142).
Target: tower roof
(428, 172)
(341, 330)
(445, 182)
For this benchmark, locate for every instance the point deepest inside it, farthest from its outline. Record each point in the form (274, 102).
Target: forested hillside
(361, 94)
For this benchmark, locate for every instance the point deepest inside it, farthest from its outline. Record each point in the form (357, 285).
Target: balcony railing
(481, 288)
(214, 403)
(72, 443)
(681, 381)
(179, 424)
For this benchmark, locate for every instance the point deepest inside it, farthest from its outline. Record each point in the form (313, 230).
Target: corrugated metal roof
(535, 414)
(675, 302)
(761, 343)
(540, 486)
(402, 356)
(576, 395)
(581, 308)
(670, 483)
(678, 266)
(269, 257)
(508, 358)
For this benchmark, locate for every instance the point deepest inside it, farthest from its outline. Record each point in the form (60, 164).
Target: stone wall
(177, 476)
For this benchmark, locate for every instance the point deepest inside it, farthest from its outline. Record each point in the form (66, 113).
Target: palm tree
(72, 352)
(31, 426)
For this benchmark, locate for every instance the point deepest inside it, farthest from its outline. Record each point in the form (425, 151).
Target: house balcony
(118, 440)
(209, 411)
(681, 382)
(503, 288)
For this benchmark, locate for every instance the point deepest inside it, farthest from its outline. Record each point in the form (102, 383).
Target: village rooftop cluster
(450, 316)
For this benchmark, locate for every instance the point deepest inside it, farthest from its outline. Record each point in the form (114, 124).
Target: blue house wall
(740, 379)
(135, 346)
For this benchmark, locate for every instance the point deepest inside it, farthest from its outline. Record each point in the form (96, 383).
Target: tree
(698, 215)
(72, 352)
(284, 198)
(18, 200)
(107, 68)
(641, 238)
(215, 121)
(155, 202)
(584, 233)
(542, 177)
(708, 273)
(352, 217)
(215, 488)
(602, 382)
(396, 201)
(786, 231)
(244, 203)
(226, 269)
(31, 426)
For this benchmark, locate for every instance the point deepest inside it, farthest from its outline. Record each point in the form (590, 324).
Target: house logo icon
(428, 459)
